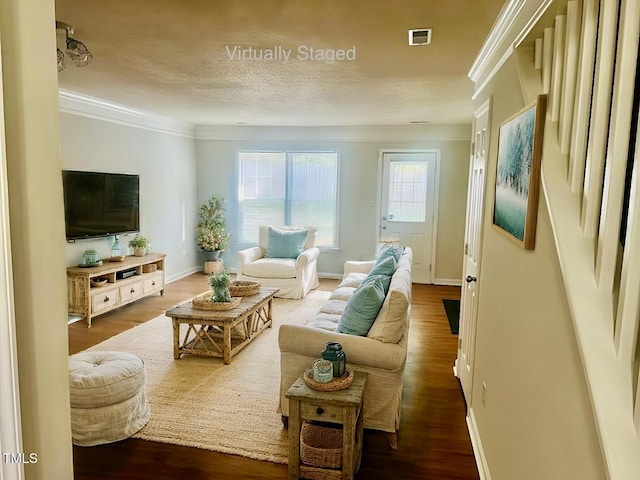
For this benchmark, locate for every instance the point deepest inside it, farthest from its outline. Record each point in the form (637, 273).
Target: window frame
(288, 152)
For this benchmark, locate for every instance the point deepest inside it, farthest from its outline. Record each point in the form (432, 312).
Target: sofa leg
(285, 421)
(393, 440)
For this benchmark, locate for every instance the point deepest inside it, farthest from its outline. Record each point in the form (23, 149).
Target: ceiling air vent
(420, 36)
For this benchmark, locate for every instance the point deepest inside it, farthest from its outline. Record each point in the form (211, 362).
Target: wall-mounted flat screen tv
(98, 204)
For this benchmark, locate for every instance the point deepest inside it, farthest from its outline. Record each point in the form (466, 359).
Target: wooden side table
(342, 407)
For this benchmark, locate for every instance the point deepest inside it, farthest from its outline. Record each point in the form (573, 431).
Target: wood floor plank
(433, 442)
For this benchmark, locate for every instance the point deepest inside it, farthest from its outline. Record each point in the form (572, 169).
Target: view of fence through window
(288, 188)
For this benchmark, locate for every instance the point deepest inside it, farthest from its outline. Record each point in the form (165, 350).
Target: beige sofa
(381, 354)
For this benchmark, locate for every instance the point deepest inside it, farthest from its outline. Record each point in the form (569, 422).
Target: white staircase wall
(568, 366)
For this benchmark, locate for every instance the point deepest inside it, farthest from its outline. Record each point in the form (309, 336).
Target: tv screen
(100, 204)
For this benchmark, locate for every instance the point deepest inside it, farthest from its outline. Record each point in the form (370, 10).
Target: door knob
(470, 279)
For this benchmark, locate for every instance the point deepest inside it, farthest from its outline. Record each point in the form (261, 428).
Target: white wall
(217, 150)
(535, 419)
(166, 164)
(29, 85)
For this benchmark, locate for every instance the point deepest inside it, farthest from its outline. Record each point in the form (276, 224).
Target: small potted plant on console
(139, 245)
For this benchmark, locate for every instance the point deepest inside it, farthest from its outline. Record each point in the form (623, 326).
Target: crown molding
(390, 133)
(91, 107)
(515, 21)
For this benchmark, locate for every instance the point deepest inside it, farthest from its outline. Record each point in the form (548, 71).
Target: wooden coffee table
(221, 333)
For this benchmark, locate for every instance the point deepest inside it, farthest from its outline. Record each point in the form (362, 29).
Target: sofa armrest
(353, 266)
(363, 351)
(247, 256)
(306, 257)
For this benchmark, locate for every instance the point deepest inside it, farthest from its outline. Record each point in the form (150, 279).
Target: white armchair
(295, 277)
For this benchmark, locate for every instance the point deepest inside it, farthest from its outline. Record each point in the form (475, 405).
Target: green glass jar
(333, 352)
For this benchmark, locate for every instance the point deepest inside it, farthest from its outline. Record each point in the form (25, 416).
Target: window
(407, 191)
(289, 188)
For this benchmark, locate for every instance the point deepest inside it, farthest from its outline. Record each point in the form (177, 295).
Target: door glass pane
(261, 192)
(407, 191)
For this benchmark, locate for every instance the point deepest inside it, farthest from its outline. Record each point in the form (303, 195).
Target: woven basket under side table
(321, 446)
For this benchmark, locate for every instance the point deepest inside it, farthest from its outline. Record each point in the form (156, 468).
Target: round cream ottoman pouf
(108, 399)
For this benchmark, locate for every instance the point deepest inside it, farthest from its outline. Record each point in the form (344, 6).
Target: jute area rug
(200, 402)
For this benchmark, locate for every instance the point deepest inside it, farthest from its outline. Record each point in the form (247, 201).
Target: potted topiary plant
(211, 233)
(139, 245)
(220, 286)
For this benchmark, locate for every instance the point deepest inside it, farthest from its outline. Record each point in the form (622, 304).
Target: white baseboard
(476, 444)
(184, 273)
(334, 276)
(454, 282)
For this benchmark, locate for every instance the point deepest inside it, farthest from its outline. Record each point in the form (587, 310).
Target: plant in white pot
(211, 233)
(139, 245)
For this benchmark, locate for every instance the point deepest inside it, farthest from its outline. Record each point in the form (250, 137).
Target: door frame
(10, 416)
(435, 198)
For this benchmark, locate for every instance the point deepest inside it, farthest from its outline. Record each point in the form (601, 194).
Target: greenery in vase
(220, 286)
(138, 242)
(211, 231)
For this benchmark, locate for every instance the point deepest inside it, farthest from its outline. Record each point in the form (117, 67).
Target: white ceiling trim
(499, 31)
(91, 107)
(380, 134)
(514, 23)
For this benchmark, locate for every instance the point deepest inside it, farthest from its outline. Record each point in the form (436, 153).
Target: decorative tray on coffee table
(338, 383)
(204, 302)
(242, 288)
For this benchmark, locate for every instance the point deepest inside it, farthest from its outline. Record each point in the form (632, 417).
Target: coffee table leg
(176, 338)
(269, 311)
(226, 347)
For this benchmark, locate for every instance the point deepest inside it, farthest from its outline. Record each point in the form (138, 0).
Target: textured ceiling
(179, 58)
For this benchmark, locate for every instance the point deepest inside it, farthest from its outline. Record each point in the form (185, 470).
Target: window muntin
(288, 188)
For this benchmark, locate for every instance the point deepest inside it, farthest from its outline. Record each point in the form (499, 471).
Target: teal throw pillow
(384, 266)
(285, 243)
(362, 308)
(388, 250)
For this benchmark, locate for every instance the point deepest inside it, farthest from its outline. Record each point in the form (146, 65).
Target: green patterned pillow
(285, 243)
(363, 307)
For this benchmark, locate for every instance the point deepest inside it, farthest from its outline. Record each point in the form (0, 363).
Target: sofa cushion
(362, 308)
(334, 307)
(391, 321)
(271, 268)
(324, 321)
(353, 279)
(286, 243)
(342, 293)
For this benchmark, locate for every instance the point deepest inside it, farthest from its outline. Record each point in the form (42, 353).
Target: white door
(408, 206)
(472, 250)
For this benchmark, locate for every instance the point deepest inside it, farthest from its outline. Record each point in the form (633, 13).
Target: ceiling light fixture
(76, 50)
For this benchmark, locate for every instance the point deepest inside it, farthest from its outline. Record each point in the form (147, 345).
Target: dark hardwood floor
(433, 442)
